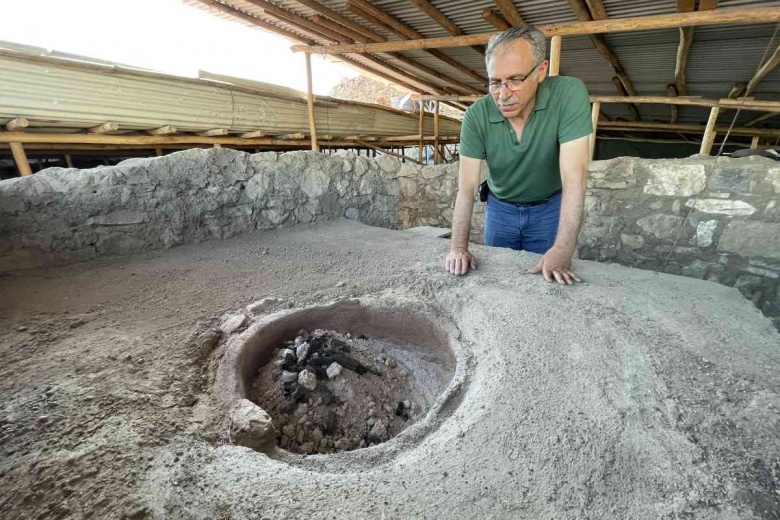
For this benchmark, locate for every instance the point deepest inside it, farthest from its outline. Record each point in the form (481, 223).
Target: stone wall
(60, 215)
(694, 217)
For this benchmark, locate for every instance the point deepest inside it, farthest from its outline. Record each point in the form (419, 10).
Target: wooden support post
(594, 116)
(22, 164)
(438, 159)
(555, 55)
(310, 101)
(754, 142)
(158, 151)
(709, 132)
(68, 161)
(421, 132)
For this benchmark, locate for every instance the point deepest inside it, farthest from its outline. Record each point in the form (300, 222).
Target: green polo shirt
(528, 170)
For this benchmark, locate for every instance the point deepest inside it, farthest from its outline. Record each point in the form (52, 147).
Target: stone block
(314, 181)
(773, 177)
(632, 241)
(674, 179)
(732, 208)
(704, 232)
(251, 426)
(388, 164)
(617, 174)
(665, 227)
(750, 239)
(729, 179)
(698, 269)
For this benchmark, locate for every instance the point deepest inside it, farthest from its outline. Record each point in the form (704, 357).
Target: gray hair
(526, 32)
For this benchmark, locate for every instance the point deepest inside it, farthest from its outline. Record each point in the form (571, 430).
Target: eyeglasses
(512, 83)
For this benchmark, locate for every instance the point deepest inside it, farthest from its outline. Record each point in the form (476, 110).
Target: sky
(166, 36)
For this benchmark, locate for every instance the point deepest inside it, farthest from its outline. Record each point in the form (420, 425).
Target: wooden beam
(681, 63)
(407, 33)
(555, 56)
(597, 10)
(439, 17)
(388, 152)
(671, 91)
(737, 90)
(310, 103)
(686, 128)
(495, 19)
(707, 5)
(340, 29)
(17, 125)
(214, 132)
(709, 132)
(304, 23)
(290, 137)
(163, 130)
(765, 69)
(104, 128)
(754, 142)
(761, 118)
(583, 12)
(20, 158)
(343, 20)
(748, 15)
(509, 12)
(621, 90)
(437, 156)
(421, 132)
(594, 117)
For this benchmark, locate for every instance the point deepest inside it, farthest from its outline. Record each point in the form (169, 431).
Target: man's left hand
(555, 265)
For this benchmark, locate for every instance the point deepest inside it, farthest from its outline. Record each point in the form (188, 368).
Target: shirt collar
(542, 100)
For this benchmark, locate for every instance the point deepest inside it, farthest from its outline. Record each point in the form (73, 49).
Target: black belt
(528, 204)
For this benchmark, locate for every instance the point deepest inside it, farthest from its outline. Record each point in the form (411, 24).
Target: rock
(632, 241)
(674, 179)
(302, 352)
(307, 447)
(207, 341)
(761, 239)
(232, 322)
(390, 362)
(308, 380)
(287, 355)
(660, 225)
(21, 328)
(704, 232)
(333, 370)
(732, 208)
(289, 430)
(289, 377)
(341, 284)
(251, 426)
(316, 435)
(261, 305)
(378, 433)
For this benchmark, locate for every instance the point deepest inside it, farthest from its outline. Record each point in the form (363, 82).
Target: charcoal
(321, 360)
(300, 393)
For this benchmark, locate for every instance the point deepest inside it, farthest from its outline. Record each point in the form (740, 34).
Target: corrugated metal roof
(719, 58)
(56, 93)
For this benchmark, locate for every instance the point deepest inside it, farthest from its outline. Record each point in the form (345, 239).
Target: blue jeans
(532, 228)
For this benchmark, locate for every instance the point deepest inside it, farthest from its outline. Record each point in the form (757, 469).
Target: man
(533, 131)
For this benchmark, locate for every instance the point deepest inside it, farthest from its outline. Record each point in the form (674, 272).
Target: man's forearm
(572, 205)
(461, 219)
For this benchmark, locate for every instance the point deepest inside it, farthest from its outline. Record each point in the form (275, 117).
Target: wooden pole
(68, 160)
(388, 152)
(709, 132)
(438, 159)
(555, 56)
(310, 100)
(748, 15)
(22, 164)
(421, 132)
(594, 116)
(754, 142)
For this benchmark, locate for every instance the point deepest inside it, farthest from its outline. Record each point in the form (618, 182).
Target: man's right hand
(459, 260)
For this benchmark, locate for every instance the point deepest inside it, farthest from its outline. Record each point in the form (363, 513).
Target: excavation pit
(337, 378)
